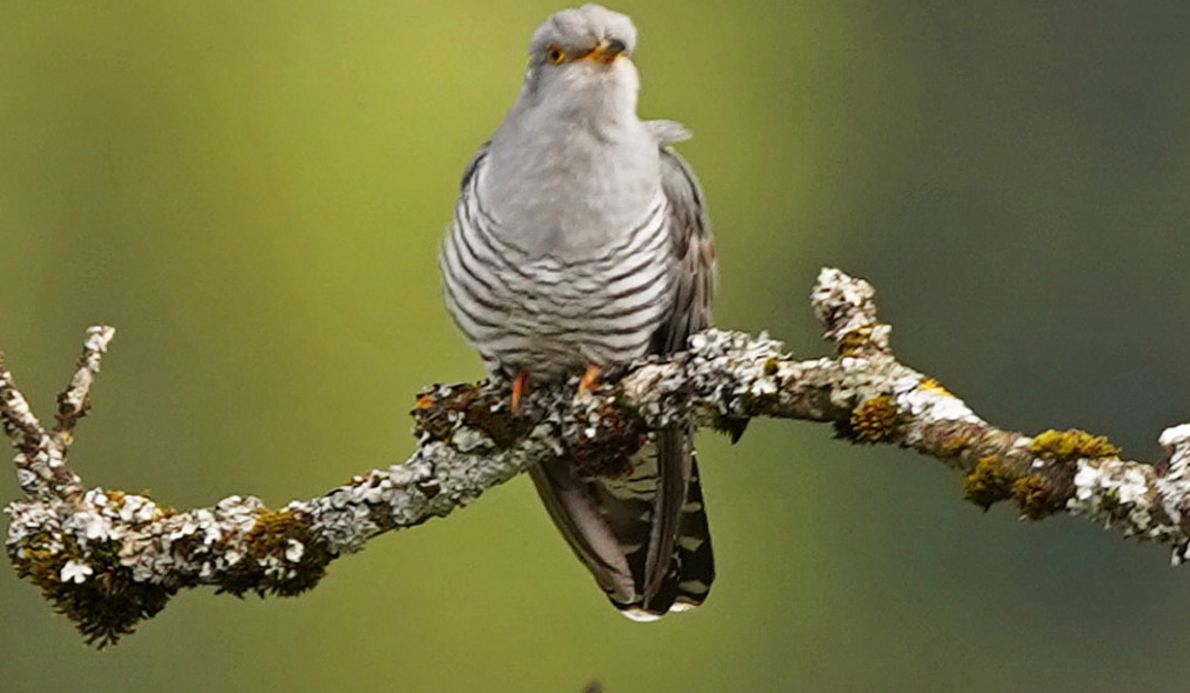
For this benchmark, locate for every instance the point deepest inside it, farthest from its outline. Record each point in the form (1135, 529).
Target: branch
(109, 559)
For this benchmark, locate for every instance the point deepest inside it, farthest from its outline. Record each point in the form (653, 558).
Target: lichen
(954, 444)
(283, 557)
(442, 410)
(931, 384)
(1036, 497)
(105, 603)
(105, 577)
(874, 420)
(609, 444)
(855, 341)
(504, 430)
(1070, 445)
(1130, 495)
(433, 421)
(990, 481)
(923, 399)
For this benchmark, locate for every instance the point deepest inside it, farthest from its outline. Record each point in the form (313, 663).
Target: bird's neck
(598, 99)
(569, 186)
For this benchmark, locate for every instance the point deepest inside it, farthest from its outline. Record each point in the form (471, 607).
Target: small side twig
(41, 457)
(75, 400)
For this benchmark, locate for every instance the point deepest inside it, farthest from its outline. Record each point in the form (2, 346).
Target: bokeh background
(254, 194)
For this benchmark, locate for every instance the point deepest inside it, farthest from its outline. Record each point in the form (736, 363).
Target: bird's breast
(552, 309)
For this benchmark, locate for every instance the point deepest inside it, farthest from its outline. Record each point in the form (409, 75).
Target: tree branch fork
(109, 559)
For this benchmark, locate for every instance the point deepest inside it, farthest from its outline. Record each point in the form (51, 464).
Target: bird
(581, 242)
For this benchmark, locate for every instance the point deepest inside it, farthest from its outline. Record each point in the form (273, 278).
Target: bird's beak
(607, 51)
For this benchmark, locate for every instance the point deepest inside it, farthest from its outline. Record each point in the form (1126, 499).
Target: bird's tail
(639, 525)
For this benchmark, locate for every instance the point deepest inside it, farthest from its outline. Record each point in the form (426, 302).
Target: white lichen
(75, 571)
(1121, 493)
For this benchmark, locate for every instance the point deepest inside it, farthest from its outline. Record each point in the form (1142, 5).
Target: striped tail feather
(642, 534)
(693, 554)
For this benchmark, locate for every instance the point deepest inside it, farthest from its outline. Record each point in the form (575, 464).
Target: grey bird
(581, 242)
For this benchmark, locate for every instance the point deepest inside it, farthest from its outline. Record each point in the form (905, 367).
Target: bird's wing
(680, 563)
(692, 246)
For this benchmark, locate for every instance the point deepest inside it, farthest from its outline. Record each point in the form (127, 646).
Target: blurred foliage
(254, 194)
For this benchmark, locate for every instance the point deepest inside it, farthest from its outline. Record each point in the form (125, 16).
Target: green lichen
(104, 607)
(855, 341)
(873, 421)
(1036, 497)
(990, 482)
(1070, 445)
(108, 603)
(270, 538)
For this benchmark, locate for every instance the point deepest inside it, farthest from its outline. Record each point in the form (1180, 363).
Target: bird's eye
(555, 55)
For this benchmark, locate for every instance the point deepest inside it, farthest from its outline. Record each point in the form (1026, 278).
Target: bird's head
(583, 55)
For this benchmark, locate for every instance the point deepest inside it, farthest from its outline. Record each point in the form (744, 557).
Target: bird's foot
(520, 386)
(590, 379)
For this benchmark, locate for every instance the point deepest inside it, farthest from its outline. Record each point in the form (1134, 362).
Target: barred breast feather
(548, 313)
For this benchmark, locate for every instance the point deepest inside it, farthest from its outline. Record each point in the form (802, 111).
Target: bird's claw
(520, 386)
(590, 379)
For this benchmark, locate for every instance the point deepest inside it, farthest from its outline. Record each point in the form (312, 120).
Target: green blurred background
(254, 193)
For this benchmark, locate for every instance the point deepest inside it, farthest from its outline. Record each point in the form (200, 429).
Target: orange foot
(519, 387)
(590, 379)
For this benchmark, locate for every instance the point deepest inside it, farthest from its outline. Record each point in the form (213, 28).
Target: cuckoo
(581, 242)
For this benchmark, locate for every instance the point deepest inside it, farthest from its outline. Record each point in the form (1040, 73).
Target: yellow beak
(606, 52)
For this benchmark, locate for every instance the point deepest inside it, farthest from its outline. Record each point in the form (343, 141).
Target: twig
(75, 400)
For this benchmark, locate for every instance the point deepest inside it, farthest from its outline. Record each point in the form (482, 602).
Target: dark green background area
(254, 194)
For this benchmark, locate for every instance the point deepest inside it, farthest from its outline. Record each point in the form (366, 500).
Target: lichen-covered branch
(108, 559)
